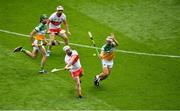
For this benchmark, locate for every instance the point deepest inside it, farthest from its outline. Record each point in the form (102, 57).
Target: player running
(107, 55)
(38, 42)
(74, 66)
(55, 21)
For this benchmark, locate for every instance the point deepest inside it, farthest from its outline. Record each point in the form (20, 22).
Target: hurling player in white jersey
(55, 21)
(74, 66)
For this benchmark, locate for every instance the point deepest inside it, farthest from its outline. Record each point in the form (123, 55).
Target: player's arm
(50, 19)
(71, 62)
(66, 27)
(114, 40)
(48, 22)
(101, 54)
(32, 36)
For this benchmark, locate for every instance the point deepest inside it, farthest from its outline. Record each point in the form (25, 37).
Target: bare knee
(52, 35)
(106, 72)
(77, 82)
(44, 56)
(65, 38)
(33, 56)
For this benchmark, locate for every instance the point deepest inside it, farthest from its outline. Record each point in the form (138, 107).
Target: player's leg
(18, 49)
(32, 54)
(105, 73)
(78, 86)
(51, 40)
(43, 60)
(107, 66)
(65, 38)
(44, 57)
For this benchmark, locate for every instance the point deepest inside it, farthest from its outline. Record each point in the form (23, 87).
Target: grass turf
(136, 81)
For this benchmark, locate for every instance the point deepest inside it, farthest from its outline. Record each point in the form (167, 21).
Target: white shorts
(36, 42)
(106, 63)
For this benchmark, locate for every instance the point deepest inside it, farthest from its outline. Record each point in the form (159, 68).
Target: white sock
(97, 77)
(48, 51)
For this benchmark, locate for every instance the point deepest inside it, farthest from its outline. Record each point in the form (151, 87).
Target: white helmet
(65, 48)
(59, 8)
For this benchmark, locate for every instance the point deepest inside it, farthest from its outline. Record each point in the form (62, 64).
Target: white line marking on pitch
(86, 46)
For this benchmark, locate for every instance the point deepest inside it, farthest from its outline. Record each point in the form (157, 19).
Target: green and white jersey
(41, 29)
(108, 48)
(108, 52)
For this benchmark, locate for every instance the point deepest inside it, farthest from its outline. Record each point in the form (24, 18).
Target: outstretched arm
(66, 27)
(113, 38)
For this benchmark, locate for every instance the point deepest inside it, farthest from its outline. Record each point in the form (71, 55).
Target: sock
(42, 67)
(23, 50)
(80, 96)
(48, 51)
(98, 79)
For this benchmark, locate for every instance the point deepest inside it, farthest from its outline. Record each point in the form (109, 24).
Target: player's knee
(106, 72)
(65, 38)
(77, 81)
(33, 56)
(44, 56)
(78, 84)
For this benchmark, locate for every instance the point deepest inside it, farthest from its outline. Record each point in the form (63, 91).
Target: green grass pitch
(136, 82)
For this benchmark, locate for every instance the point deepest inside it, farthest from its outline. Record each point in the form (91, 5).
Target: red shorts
(55, 30)
(77, 72)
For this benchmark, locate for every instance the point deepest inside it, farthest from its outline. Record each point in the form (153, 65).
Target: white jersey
(76, 63)
(55, 21)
